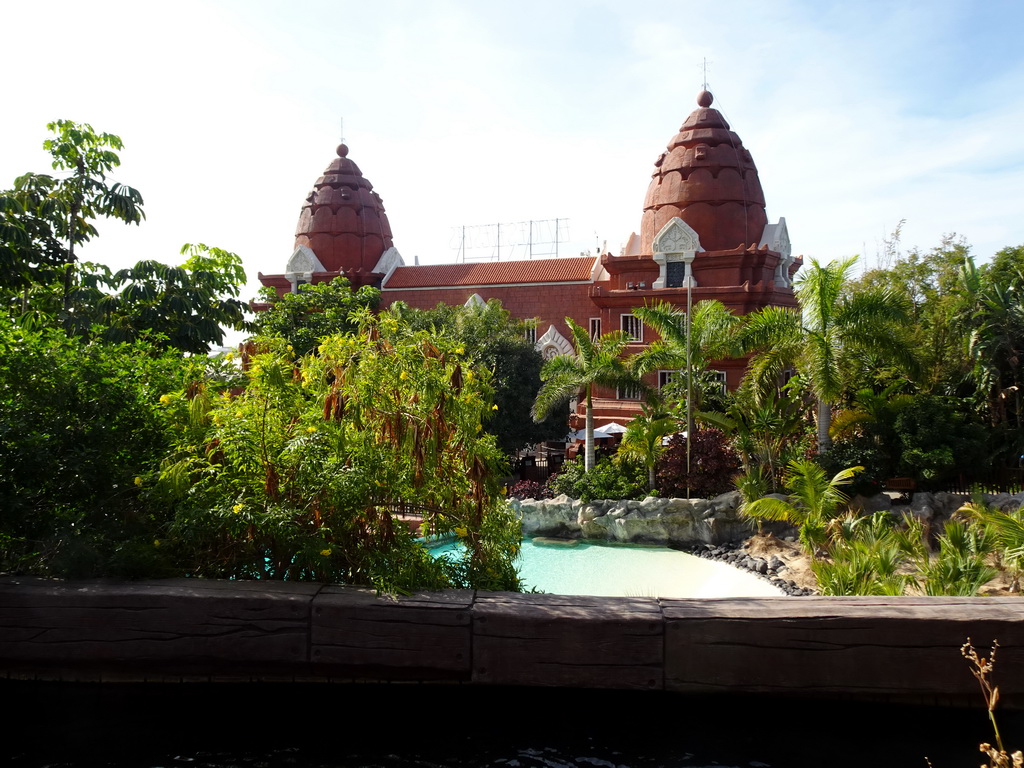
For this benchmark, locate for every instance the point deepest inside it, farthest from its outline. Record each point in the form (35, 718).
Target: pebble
(766, 569)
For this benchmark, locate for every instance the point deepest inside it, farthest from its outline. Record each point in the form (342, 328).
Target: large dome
(343, 220)
(708, 179)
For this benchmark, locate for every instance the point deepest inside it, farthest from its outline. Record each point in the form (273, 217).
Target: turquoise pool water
(597, 568)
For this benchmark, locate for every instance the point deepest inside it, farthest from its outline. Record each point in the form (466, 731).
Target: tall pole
(689, 384)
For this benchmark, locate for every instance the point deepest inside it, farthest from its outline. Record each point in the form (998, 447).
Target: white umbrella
(613, 428)
(581, 434)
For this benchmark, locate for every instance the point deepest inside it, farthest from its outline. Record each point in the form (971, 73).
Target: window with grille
(627, 393)
(719, 376)
(666, 377)
(633, 327)
(531, 334)
(595, 328)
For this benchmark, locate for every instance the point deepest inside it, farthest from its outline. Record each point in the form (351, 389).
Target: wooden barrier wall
(897, 649)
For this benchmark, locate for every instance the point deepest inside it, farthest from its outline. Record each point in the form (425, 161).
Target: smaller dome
(343, 220)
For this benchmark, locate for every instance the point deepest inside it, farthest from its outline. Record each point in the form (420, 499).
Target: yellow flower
(290, 348)
(325, 552)
(165, 399)
(403, 375)
(461, 350)
(138, 481)
(237, 509)
(461, 531)
(494, 407)
(311, 430)
(156, 542)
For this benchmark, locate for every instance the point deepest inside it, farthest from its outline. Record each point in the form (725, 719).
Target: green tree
(712, 328)
(313, 470)
(930, 285)
(59, 211)
(644, 441)
(312, 312)
(597, 362)
(493, 338)
(80, 431)
(184, 307)
(824, 334)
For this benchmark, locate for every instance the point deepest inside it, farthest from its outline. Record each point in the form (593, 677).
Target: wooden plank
(421, 636)
(868, 647)
(156, 625)
(558, 640)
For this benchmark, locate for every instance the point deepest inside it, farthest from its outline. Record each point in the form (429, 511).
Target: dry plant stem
(982, 669)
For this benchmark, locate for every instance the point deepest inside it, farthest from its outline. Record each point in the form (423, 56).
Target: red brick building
(704, 228)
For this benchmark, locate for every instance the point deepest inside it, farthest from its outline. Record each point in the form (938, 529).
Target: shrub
(858, 452)
(607, 480)
(530, 489)
(80, 435)
(713, 465)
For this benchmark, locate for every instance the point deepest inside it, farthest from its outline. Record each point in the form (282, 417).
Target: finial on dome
(342, 150)
(704, 99)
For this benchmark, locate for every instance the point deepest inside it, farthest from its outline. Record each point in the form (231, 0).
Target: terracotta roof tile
(573, 269)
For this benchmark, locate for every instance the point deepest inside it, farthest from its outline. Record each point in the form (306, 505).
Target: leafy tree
(313, 312)
(53, 215)
(1007, 265)
(80, 432)
(767, 430)
(996, 321)
(597, 362)
(937, 440)
(184, 307)
(308, 472)
(493, 338)
(929, 283)
(824, 334)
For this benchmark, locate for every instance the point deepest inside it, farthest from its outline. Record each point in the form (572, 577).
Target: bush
(80, 435)
(713, 462)
(858, 452)
(607, 480)
(938, 442)
(529, 489)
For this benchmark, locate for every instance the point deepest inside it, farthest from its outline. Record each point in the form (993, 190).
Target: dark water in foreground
(419, 726)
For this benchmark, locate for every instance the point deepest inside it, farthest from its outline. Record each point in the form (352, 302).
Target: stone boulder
(654, 520)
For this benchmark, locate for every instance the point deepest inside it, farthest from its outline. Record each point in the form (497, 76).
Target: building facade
(704, 229)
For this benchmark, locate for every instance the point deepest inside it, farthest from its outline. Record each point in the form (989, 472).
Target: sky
(466, 113)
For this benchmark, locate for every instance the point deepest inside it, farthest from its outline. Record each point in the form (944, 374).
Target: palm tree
(596, 362)
(644, 441)
(820, 338)
(814, 501)
(711, 338)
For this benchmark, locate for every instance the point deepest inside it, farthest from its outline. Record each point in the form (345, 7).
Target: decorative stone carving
(776, 237)
(677, 242)
(389, 261)
(552, 344)
(301, 266)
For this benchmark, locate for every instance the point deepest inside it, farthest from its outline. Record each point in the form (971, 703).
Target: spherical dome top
(343, 219)
(708, 179)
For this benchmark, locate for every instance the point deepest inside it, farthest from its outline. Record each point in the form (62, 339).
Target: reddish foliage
(713, 462)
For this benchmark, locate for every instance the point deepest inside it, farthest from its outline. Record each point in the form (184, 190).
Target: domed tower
(708, 179)
(704, 222)
(342, 231)
(343, 220)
